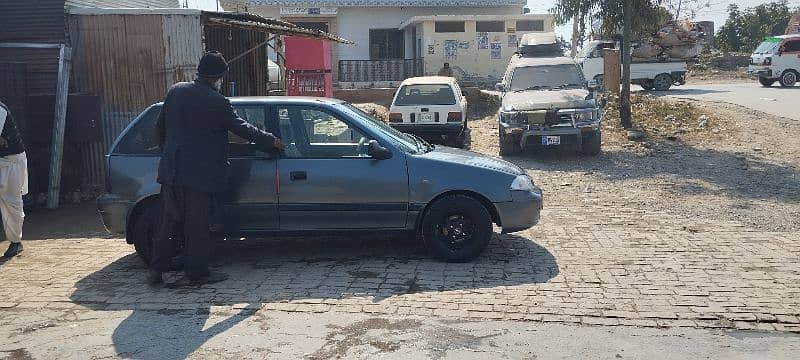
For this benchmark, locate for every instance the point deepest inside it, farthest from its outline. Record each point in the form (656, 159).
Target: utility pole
(574, 50)
(625, 96)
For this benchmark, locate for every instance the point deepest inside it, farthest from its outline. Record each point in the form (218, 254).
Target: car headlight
(523, 183)
(768, 61)
(585, 116)
(512, 118)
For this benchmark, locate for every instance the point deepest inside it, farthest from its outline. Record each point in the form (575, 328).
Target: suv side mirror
(377, 151)
(500, 87)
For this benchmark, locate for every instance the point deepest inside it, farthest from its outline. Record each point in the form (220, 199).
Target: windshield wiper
(423, 142)
(536, 87)
(566, 85)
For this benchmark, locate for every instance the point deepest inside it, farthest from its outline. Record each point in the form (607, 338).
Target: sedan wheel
(457, 228)
(144, 229)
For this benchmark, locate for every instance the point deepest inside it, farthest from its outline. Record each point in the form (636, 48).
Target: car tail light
(453, 117)
(395, 117)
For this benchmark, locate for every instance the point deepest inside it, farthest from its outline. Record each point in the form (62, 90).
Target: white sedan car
(431, 106)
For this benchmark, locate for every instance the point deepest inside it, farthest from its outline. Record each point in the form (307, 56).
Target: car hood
(472, 159)
(547, 99)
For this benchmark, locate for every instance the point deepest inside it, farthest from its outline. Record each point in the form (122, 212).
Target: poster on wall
(482, 40)
(451, 49)
(496, 51)
(512, 40)
(431, 49)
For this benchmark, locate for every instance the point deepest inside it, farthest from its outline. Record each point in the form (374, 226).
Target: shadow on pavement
(66, 222)
(678, 91)
(689, 167)
(171, 323)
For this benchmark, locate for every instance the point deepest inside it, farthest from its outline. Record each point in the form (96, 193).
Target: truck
(777, 59)
(655, 73)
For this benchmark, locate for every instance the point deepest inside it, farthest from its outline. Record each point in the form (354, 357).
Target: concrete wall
(468, 60)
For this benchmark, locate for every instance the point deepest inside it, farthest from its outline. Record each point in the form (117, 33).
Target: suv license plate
(551, 140)
(425, 117)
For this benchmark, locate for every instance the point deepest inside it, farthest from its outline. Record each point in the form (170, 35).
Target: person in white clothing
(13, 180)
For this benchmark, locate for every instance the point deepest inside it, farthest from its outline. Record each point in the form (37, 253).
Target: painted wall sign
(289, 11)
(496, 52)
(482, 40)
(451, 49)
(512, 40)
(463, 44)
(511, 30)
(431, 49)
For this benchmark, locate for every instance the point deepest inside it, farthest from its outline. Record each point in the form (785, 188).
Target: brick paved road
(594, 265)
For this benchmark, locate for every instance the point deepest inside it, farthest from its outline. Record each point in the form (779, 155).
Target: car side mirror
(376, 151)
(500, 87)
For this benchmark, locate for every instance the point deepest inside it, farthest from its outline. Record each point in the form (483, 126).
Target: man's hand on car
(280, 145)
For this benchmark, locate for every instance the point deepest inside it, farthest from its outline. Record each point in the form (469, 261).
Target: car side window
(253, 114)
(313, 133)
(792, 46)
(141, 139)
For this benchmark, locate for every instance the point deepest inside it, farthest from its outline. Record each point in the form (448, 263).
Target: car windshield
(425, 94)
(399, 139)
(545, 77)
(587, 50)
(768, 46)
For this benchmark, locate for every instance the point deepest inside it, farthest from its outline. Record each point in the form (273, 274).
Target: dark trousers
(188, 212)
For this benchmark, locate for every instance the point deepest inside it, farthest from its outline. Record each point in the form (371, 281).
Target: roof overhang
(236, 20)
(419, 19)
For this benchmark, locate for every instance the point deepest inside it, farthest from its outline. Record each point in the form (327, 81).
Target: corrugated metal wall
(112, 4)
(129, 61)
(32, 21)
(249, 73)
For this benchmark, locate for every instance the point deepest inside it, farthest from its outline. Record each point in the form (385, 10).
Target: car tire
(457, 228)
(662, 82)
(647, 85)
(591, 143)
(144, 228)
(508, 146)
(788, 78)
(766, 82)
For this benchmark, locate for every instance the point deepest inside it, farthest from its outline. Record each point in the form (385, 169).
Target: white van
(777, 59)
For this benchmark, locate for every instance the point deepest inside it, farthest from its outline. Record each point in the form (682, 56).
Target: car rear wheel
(766, 82)
(457, 228)
(591, 143)
(144, 229)
(789, 78)
(662, 82)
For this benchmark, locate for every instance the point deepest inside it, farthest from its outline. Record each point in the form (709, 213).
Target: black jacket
(193, 133)
(10, 132)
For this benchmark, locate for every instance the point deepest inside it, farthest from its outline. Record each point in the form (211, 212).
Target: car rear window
(141, 139)
(425, 94)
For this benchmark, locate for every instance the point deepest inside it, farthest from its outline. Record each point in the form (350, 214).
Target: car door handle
(298, 175)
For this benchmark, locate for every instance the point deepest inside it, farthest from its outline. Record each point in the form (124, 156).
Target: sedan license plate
(551, 140)
(425, 117)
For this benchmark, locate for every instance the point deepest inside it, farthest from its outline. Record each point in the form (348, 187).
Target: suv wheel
(591, 143)
(662, 82)
(789, 78)
(647, 85)
(456, 228)
(144, 229)
(508, 146)
(766, 82)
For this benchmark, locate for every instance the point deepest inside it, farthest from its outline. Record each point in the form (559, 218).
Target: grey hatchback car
(342, 171)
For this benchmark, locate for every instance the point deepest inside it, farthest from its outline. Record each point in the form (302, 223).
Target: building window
(321, 26)
(386, 44)
(490, 26)
(530, 25)
(449, 26)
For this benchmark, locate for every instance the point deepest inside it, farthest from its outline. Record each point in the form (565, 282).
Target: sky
(717, 12)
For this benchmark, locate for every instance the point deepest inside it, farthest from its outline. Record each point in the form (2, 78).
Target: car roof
(789, 36)
(299, 100)
(422, 80)
(537, 61)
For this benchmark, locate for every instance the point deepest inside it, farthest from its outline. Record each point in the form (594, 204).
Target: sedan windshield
(425, 94)
(545, 77)
(399, 139)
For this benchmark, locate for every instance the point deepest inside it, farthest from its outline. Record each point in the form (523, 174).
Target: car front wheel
(662, 82)
(591, 143)
(766, 82)
(456, 228)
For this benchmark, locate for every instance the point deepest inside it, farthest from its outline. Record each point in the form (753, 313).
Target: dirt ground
(748, 172)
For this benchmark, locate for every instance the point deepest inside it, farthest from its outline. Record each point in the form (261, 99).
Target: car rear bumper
(430, 129)
(522, 212)
(114, 212)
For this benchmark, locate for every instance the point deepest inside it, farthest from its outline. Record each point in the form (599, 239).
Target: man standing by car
(192, 130)
(13, 180)
(446, 70)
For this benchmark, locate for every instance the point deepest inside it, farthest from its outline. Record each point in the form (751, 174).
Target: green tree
(635, 17)
(745, 29)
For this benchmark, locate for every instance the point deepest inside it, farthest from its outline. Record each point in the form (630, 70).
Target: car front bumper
(430, 129)
(760, 71)
(522, 212)
(114, 212)
(569, 136)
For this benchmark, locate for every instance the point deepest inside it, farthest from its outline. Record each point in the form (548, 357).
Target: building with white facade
(397, 39)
